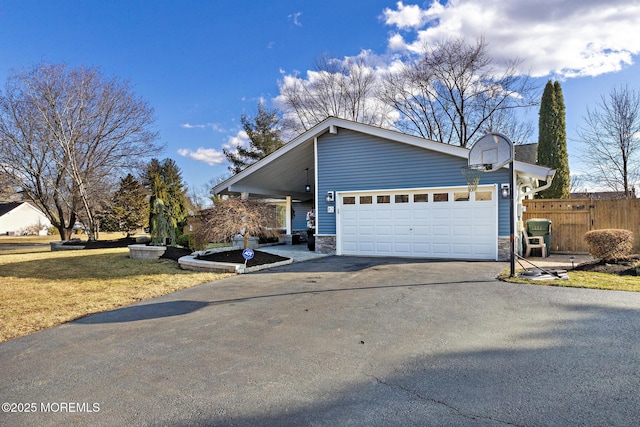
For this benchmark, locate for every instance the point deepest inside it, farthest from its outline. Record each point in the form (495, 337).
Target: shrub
(183, 240)
(609, 244)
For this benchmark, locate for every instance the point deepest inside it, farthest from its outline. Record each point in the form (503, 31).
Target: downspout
(539, 189)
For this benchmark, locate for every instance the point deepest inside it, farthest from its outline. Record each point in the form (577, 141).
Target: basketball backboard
(492, 151)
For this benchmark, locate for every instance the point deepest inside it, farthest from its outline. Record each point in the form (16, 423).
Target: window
(366, 200)
(440, 197)
(483, 195)
(421, 198)
(461, 196)
(383, 199)
(349, 200)
(402, 198)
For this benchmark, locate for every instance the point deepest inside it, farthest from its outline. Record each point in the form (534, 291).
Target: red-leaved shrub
(609, 244)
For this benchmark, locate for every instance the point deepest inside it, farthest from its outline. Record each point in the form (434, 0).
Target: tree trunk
(65, 233)
(246, 240)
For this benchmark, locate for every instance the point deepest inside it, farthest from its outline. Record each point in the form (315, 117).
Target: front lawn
(41, 290)
(586, 279)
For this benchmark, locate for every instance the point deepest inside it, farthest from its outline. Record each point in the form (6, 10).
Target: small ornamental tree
(164, 181)
(232, 217)
(162, 228)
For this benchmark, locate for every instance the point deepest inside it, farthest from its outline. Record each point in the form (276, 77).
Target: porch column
(288, 238)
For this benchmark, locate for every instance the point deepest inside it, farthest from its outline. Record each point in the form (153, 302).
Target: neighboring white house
(18, 218)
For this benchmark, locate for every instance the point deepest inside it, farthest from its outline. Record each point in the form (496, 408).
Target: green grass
(585, 279)
(45, 289)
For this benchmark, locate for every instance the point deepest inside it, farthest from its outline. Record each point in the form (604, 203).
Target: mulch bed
(174, 253)
(104, 244)
(621, 267)
(235, 256)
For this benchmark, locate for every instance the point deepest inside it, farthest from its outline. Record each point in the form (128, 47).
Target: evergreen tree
(552, 141)
(168, 193)
(129, 208)
(264, 136)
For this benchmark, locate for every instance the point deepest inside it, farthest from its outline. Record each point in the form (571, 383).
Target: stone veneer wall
(504, 248)
(325, 244)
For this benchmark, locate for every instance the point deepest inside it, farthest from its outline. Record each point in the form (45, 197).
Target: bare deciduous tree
(611, 137)
(454, 92)
(66, 134)
(232, 217)
(335, 88)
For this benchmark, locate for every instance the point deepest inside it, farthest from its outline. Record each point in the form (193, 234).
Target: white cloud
(411, 16)
(213, 126)
(210, 156)
(241, 139)
(214, 157)
(566, 39)
(294, 17)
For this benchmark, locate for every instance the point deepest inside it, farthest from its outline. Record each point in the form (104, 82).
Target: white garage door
(431, 223)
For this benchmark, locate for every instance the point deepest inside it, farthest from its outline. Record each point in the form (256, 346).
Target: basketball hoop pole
(512, 220)
(493, 151)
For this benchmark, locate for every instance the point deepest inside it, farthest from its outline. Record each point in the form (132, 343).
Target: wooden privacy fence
(572, 218)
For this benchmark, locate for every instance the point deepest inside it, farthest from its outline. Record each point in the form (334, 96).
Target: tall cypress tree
(552, 141)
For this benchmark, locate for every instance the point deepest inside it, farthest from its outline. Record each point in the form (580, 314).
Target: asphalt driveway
(339, 341)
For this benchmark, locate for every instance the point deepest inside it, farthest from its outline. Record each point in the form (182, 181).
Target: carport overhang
(285, 172)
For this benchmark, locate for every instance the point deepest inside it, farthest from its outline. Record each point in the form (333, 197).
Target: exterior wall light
(505, 191)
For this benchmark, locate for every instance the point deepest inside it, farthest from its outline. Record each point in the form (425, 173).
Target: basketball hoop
(472, 174)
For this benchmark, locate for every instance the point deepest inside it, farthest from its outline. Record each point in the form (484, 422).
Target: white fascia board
(535, 171)
(308, 136)
(541, 173)
(396, 136)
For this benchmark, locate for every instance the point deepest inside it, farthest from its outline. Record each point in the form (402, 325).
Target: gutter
(548, 181)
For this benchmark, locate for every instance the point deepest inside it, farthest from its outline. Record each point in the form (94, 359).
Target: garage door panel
(440, 213)
(441, 249)
(461, 214)
(441, 230)
(366, 230)
(402, 248)
(462, 230)
(402, 230)
(421, 230)
(421, 212)
(349, 215)
(383, 214)
(384, 230)
(404, 227)
(462, 250)
(402, 214)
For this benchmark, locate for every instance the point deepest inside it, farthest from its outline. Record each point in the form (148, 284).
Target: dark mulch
(104, 244)
(622, 266)
(235, 256)
(101, 244)
(174, 253)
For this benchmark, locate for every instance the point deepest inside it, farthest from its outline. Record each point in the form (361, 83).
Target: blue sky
(201, 64)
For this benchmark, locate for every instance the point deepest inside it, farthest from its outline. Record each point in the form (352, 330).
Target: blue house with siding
(378, 192)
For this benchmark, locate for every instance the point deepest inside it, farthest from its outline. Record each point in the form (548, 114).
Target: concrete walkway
(297, 253)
